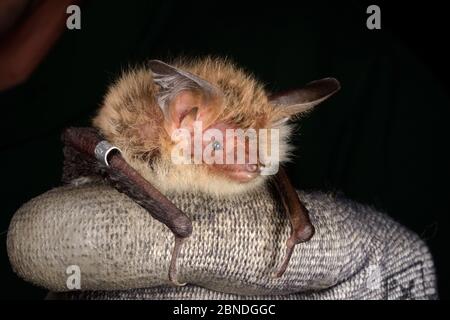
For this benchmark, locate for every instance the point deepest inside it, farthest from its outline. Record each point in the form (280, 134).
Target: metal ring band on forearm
(102, 151)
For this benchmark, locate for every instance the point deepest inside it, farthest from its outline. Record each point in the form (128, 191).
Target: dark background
(382, 140)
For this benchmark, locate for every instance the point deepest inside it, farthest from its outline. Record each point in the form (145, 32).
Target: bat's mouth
(242, 172)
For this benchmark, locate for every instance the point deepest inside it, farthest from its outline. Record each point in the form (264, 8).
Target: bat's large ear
(297, 102)
(185, 97)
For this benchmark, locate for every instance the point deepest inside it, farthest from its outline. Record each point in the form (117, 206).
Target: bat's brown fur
(131, 119)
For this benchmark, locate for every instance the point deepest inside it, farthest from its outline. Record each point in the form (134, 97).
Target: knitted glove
(236, 246)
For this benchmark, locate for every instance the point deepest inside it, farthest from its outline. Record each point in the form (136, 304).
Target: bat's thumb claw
(173, 274)
(274, 275)
(289, 249)
(178, 284)
(174, 279)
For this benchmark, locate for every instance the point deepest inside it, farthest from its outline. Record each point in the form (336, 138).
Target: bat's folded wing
(118, 250)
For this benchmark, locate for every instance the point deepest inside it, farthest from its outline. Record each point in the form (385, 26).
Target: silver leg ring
(102, 150)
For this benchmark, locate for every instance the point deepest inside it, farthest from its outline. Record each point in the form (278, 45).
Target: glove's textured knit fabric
(236, 245)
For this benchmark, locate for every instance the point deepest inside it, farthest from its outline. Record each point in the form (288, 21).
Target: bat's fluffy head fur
(132, 119)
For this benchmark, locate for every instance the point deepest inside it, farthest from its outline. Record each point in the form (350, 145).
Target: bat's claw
(175, 282)
(287, 257)
(173, 275)
(301, 235)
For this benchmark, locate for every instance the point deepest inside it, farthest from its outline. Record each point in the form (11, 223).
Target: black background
(382, 140)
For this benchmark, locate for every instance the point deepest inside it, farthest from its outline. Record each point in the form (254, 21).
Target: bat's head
(203, 125)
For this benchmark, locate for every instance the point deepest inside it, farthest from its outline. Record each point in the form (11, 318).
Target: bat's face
(226, 150)
(220, 149)
(213, 126)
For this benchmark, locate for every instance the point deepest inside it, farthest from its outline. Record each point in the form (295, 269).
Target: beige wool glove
(236, 246)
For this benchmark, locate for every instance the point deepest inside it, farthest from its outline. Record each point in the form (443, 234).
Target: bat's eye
(216, 145)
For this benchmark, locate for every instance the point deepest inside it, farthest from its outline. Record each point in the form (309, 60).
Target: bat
(148, 109)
